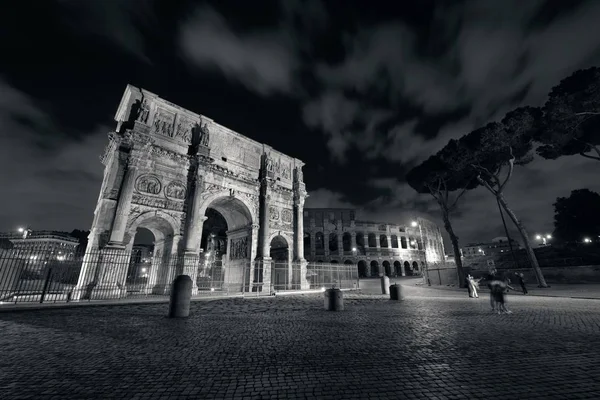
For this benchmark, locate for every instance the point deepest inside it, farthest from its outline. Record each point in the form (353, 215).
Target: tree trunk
(454, 240)
(530, 253)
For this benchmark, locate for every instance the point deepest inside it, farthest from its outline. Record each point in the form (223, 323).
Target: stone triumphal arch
(199, 188)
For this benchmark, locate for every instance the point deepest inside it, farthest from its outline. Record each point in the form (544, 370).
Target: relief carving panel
(273, 213)
(175, 190)
(149, 184)
(157, 202)
(239, 249)
(287, 216)
(164, 122)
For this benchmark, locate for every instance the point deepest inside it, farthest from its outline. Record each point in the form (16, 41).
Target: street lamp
(544, 239)
(25, 231)
(482, 252)
(587, 240)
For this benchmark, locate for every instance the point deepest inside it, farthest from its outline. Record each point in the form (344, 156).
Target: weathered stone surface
(442, 347)
(165, 166)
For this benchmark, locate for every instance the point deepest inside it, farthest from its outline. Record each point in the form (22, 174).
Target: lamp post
(24, 231)
(357, 271)
(544, 239)
(426, 272)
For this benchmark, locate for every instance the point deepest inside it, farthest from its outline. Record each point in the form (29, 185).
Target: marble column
(124, 203)
(264, 260)
(193, 232)
(299, 228)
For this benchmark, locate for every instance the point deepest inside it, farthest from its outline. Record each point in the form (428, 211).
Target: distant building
(497, 246)
(334, 235)
(40, 247)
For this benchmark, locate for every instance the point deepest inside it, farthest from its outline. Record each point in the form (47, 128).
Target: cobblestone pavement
(433, 345)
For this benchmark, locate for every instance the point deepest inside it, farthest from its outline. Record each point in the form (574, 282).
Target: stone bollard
(181, 296)
(334, 300)
(385, 285)
(396, 292)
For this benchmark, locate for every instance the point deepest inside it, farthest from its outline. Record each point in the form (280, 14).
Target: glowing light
(143, 270)
(354, 249)
(21, 230)
(414, 223)
(587, 240)
(212, 289)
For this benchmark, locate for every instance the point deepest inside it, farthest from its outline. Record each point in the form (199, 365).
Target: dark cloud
(55, 188)
(264, 61)
(119, 22)
(385, 94)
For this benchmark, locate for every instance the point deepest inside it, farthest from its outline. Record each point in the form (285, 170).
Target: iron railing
(48, 274)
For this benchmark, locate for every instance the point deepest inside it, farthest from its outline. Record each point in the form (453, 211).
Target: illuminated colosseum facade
(333, 235)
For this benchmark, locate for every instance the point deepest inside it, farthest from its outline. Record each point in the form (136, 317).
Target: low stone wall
(580, 274)
(443, 276)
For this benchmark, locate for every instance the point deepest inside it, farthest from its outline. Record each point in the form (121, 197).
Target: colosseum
(333, 235)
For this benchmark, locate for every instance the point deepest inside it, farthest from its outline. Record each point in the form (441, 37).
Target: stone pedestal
(191, 262)
(113, 265)
(263, 283)
(304, 283)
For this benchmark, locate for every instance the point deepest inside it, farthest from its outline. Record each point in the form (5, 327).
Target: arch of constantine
(202, 190)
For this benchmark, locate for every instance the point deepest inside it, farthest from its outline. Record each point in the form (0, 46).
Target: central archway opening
(226, 246)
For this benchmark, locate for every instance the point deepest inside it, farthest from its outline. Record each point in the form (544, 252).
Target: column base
(263, 283)
(304, 283)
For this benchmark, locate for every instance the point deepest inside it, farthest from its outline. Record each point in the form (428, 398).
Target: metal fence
(314, 276)
(47, 274)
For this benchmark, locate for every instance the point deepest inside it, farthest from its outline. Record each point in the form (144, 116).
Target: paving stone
(433, 345)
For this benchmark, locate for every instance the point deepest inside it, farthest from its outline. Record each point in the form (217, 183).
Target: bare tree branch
(511, 167)
(487, 186)
(588, 113)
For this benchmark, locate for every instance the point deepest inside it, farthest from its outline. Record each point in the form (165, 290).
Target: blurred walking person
(499, 289)
(521, 282)
(491, 278)
(473, 286)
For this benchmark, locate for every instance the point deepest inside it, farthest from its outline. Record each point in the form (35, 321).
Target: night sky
(358, 90)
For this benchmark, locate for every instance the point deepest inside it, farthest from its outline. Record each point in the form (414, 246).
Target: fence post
(46, 283)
